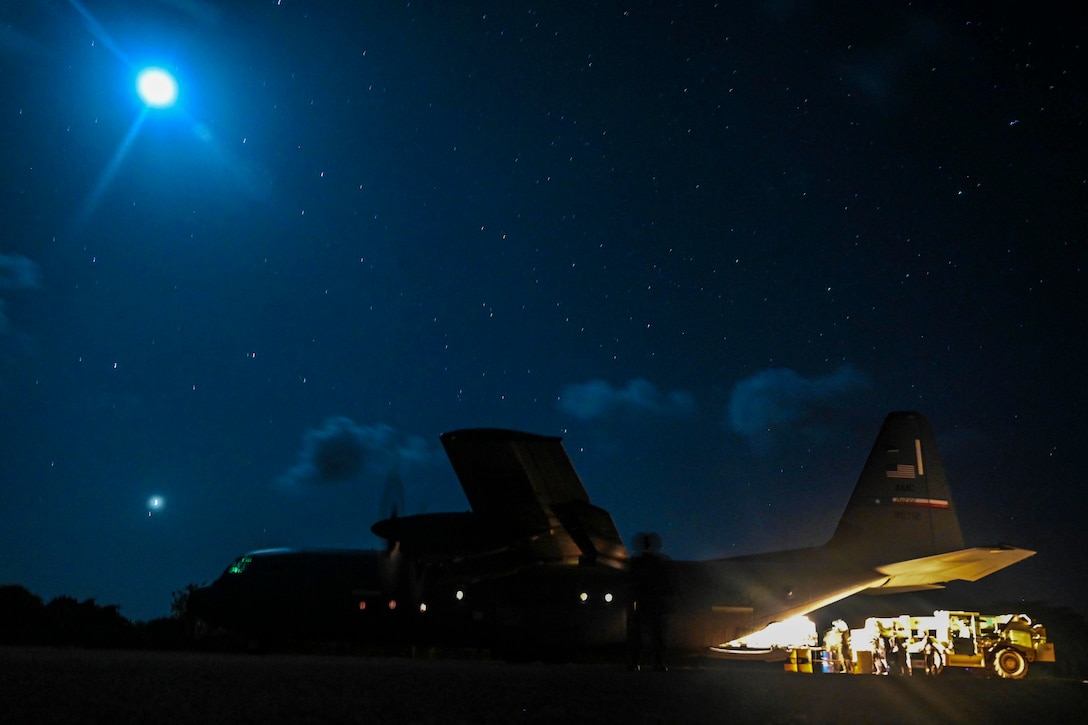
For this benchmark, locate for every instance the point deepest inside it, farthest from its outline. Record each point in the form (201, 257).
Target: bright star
(154, 504)
(157, 88)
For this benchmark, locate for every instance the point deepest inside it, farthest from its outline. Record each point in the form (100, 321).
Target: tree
(179, 606)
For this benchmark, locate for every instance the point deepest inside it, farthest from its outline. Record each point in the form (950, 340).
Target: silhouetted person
(879, 643)
(837, 643)
(934, 655)
(900, 655)
(649, 605)
(847, 646)
(833, 645)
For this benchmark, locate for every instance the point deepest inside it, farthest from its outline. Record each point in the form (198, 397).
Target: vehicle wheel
(1010, 664)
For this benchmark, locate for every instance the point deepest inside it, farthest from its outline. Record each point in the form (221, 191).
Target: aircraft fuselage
(536, 567)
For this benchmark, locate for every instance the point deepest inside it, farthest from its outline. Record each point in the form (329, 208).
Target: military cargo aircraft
(535, 569)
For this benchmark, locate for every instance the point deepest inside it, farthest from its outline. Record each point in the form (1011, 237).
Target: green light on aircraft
(240, 566)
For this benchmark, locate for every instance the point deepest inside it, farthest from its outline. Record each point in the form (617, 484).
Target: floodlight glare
(157, 88)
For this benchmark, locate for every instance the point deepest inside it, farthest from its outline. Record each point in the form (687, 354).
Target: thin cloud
(777, 402)
(598, 398)
(18, 272)
(341, 450)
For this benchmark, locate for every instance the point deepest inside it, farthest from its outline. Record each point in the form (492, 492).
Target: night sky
(711, 245)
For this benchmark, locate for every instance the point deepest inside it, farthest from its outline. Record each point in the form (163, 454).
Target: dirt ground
(85, 686)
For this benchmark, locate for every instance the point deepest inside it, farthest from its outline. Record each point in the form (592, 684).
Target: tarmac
(42, 685)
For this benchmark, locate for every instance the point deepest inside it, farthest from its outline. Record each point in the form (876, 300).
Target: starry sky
(711, 245)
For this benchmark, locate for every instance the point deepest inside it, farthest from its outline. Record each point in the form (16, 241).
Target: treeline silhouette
(25, 619)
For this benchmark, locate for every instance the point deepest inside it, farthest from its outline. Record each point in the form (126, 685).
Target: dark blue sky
(710, 245)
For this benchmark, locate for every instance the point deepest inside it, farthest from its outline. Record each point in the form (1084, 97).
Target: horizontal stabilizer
(513, 476)
(524, 486)
(966, 564)
(881, 591)
(593, 531)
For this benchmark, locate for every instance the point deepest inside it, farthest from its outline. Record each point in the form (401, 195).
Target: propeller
(400, 576)
(391, 503)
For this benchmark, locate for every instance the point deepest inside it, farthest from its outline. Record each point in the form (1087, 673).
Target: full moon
(157, 88)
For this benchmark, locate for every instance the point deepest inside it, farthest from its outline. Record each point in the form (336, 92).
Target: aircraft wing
(966, 564)
(525, 485)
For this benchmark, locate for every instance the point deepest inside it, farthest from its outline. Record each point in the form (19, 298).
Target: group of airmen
(891, 647)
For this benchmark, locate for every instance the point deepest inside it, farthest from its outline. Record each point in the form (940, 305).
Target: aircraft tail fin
(902, 507)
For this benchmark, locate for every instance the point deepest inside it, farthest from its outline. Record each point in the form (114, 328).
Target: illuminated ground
(44, 685)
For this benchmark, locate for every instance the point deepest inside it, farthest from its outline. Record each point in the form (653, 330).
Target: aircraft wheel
(1010, 664)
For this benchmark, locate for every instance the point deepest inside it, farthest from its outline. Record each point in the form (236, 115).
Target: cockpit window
(240, 565)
